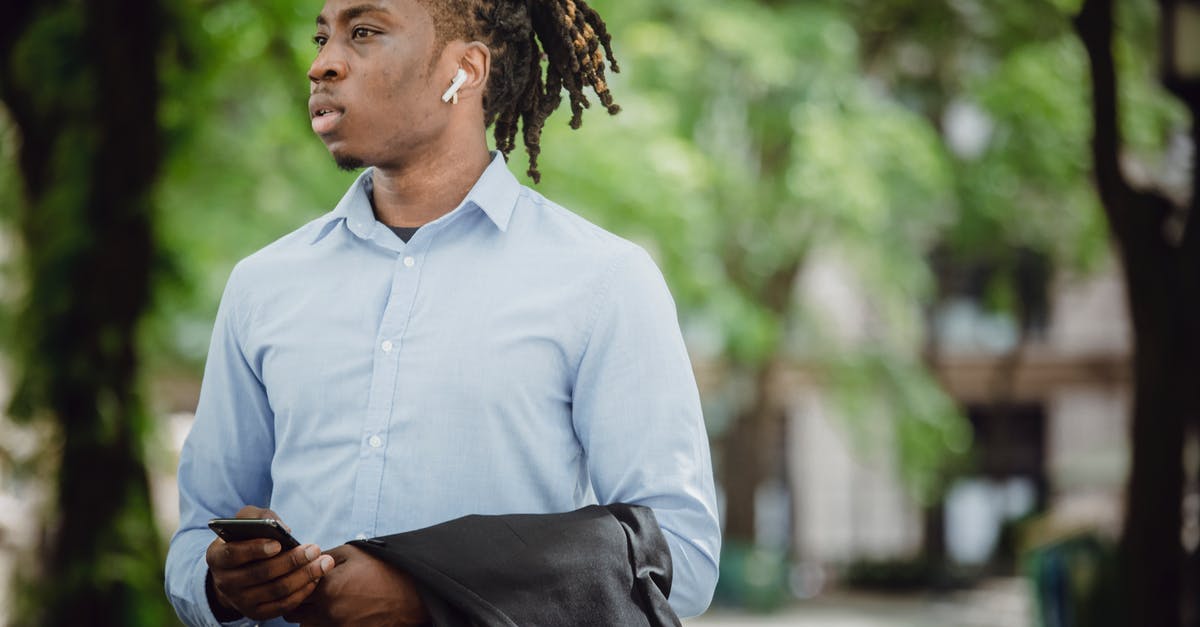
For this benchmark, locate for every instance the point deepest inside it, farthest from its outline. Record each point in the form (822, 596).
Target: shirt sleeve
(637, 414)
(225, 462)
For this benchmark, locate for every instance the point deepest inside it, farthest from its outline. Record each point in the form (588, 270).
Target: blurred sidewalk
(996, 603)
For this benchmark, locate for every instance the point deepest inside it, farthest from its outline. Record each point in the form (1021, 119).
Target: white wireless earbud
(460, 77)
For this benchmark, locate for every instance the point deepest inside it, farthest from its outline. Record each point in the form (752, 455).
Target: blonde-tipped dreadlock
(574, 41)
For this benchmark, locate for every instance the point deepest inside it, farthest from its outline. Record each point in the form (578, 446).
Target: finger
(297, 615)
(222, 555)
(341, 553)
(285, 587)
(306, 611)
(287, 606)
(251, 511)
(263, 571)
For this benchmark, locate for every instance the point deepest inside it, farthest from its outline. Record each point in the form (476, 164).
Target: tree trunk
(1160, 274)
(748, 457)
(933, 532)
(1151, 547)
(751, 446)
(1186, 370)
(81, 83)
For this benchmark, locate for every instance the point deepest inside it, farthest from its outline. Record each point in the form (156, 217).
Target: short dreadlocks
(568, 33)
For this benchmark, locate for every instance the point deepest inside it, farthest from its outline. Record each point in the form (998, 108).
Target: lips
(325, 113)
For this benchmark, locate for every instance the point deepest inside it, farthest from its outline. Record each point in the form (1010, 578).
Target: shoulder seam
(602, 296)
(243, 313)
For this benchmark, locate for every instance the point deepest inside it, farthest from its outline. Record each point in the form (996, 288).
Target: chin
(348, 163)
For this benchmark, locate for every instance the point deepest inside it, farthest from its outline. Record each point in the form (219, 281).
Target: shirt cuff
(201, 596)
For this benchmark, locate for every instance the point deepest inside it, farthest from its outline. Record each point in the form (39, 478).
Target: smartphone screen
(238, 529)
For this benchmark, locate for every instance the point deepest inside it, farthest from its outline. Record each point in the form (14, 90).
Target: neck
(425, 189)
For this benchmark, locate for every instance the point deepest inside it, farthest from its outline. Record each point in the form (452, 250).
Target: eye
(362, 33)
(320, 40)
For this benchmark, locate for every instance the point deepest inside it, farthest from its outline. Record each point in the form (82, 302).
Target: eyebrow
(357, 10)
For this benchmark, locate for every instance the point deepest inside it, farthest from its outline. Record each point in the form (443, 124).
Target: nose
(328, 66)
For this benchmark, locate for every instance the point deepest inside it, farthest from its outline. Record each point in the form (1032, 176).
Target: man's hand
(361, 591)
(254, 579)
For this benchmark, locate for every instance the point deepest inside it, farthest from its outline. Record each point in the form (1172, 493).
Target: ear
(475, 58)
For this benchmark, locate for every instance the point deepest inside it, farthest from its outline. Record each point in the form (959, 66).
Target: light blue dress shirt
(510, 358)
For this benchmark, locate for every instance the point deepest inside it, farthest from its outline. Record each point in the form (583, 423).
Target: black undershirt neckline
(405, 233)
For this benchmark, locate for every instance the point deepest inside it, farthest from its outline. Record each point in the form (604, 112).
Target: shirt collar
(495, 193)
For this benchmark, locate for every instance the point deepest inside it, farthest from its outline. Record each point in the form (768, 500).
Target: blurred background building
(1048, 408)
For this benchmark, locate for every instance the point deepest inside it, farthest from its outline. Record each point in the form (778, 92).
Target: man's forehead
(342, 10)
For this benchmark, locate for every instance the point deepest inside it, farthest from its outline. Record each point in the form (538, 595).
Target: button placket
(380, 404)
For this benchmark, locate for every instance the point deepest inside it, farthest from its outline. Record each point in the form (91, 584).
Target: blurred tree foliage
(761, 143)
(243, 166)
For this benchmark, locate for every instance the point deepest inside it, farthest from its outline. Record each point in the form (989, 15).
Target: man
(446, 342)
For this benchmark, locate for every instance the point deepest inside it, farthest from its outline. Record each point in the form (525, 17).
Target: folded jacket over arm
(600, 565)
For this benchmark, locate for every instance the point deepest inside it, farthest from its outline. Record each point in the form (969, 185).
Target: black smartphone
(238, 529)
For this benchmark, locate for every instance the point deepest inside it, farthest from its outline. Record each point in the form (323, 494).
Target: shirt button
(386, 346)
(361, 536)
(375, 441)
(409, 262)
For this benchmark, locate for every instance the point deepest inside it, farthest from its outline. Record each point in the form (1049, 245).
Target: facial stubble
(348, 163)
